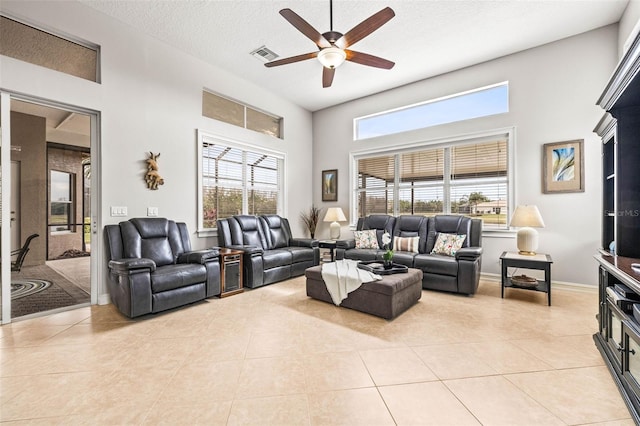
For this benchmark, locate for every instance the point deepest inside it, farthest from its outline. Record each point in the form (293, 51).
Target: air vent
(264, 54)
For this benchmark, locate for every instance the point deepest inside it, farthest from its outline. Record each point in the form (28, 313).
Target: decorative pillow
(406, 244)
(448, 244)
(366, 239)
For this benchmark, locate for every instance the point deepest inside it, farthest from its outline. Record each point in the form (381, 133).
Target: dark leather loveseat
(271, 254)
(459, 273)
(152, 267)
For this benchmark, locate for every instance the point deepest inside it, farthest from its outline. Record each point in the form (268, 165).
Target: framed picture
(563, 167)
(330, 185)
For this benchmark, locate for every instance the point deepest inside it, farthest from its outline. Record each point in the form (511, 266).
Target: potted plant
(388, 254)
(311, 219)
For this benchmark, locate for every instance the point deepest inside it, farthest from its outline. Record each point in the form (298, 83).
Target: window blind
(238, 181)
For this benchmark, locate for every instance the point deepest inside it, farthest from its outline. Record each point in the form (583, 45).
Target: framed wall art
(563, 167)
(330, 185)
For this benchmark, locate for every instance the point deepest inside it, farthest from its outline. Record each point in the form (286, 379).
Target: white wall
(150, 100)
(552, 90)
(628, 26)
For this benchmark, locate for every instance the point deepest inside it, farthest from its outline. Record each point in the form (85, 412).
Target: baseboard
(104, 299)
(557, 285)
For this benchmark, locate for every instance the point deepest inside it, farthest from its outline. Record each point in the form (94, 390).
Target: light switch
(152, 211)
(118, 211)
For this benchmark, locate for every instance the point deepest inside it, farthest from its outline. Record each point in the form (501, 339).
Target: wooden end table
(230, 272)
(537, 261)
(328, 244)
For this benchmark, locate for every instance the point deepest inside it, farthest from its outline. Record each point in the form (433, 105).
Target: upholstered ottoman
(386, 298)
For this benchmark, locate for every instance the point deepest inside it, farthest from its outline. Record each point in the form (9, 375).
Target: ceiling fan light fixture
(332, 57)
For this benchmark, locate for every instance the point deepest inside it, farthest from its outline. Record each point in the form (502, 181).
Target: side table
(230, 272)
(328, 244)
(537, 261)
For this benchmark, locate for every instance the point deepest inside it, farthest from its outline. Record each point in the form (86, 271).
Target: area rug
(40, 298)
(24, 288)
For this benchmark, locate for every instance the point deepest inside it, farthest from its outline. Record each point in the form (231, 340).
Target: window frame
(206, 137)
(441, 100)
(71, 204)
(478, 137)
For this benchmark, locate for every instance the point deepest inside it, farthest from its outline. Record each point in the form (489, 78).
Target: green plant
(386, 241)
(311, 219)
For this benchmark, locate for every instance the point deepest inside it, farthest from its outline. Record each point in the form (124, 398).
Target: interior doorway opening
(51, 148)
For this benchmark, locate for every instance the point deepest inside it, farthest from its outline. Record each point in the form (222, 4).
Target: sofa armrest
(469, 253)
(199, 256)
(131, 266)
(303, 242)
(345, 244)
(250, 250)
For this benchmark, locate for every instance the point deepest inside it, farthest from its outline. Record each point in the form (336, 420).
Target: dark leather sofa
(271, 254)
(458, 274)
(152, 267)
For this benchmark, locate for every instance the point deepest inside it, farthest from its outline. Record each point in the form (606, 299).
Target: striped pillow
(406, 244)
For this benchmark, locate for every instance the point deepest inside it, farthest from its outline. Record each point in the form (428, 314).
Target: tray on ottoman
(386, 298)
(377, 267)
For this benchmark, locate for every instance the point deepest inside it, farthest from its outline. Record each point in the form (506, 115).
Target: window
(237, 179)
(462, 106)
(232, 112)
(38, 47)
(469, 177)
(62, 201)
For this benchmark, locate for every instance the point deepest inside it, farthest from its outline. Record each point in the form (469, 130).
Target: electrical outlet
(118, 211)
(152, 211)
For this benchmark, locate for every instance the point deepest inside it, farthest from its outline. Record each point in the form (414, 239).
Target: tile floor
(274, 356)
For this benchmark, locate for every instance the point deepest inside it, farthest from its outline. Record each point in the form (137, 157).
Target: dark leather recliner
(458, 274)
(381, 223)
(152, 267)
(271, 254)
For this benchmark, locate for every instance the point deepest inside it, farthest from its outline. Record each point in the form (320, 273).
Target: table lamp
(334, 215)
(526, 218)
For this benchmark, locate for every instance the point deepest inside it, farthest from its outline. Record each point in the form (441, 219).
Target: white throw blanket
(343, 276)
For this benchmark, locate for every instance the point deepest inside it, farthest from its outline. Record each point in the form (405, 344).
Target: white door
(5, 242)
(16, 241)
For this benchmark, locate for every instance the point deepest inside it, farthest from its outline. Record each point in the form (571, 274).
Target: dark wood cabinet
(618, 336)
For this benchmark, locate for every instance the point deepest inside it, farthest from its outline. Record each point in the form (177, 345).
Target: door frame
(5, 182)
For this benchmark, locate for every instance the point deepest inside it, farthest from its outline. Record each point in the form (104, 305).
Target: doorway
(50, 208)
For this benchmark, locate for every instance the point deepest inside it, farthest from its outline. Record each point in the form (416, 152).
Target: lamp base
(527, 241)
(334, 230)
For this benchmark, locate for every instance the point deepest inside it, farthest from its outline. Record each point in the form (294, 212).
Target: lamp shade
(527, 218)
(334, 215)
(332, 57)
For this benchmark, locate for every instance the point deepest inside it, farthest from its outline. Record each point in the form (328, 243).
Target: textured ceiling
(424, 39)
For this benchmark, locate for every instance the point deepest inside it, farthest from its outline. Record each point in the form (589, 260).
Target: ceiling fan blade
(370, 60)
(365, 28)
(305, 28)
(327, 76)
(291, 59)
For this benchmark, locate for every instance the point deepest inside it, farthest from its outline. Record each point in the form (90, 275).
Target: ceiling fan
(333, 45)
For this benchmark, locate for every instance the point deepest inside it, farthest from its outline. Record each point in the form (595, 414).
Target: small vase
(388, 264)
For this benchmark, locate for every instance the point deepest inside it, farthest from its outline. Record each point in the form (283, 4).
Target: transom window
(236, 179)
(469, 177)
(476, 103)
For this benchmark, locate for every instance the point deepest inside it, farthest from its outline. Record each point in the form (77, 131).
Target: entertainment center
(618, 336)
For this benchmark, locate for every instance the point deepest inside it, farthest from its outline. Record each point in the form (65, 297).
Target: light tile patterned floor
(274, 356)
